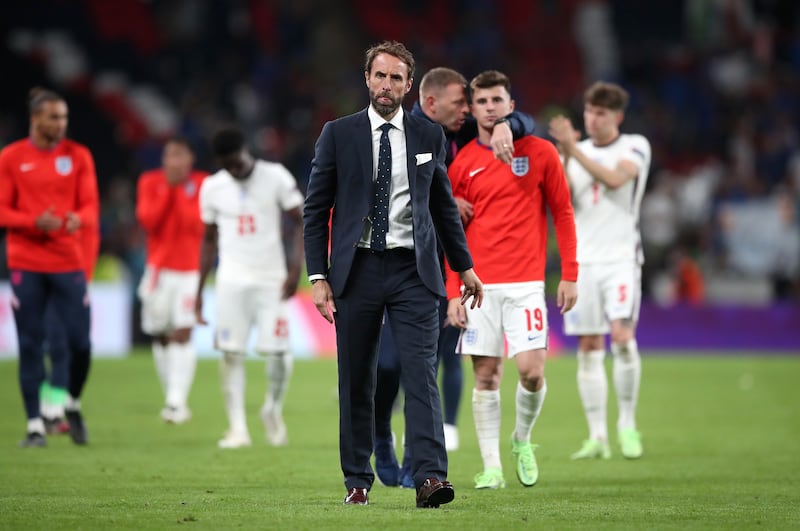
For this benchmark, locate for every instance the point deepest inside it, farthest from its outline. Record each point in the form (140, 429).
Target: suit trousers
(388, 281)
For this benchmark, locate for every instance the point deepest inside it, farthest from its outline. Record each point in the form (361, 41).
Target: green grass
(721, 451)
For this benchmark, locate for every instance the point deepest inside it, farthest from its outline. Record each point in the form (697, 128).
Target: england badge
(520, 166)
(64, 165)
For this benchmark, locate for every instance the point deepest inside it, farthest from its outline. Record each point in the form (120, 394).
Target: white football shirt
(248, 217)
(607, 219)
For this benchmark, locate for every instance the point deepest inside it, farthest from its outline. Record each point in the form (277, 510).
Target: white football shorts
(516, 312)
(240, 306)
(167, 299)
(606, 292)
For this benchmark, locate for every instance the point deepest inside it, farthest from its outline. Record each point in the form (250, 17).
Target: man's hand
(502, 142)
(562, 131)
(72, 223)
(322, 295)
(567, 295)
(472, 288)
(456, 313)
(198, 309)
(464, 210)
(47, 221)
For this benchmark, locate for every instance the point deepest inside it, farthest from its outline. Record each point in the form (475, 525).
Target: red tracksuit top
(507, 236)
(170, 215)
(33, 180)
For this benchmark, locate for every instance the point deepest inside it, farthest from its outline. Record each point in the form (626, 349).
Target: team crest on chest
(189, 189)
(520, 166)
(64, 165)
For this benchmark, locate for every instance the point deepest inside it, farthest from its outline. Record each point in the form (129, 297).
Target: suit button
(355, 245)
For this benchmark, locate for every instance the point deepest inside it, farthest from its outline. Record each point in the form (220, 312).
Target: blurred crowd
(715, 87)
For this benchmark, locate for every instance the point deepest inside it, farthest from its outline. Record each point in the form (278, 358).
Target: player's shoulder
(15, 148)
(636, 143)
(217, 180)
(74, 147)
(151, 175)
(535, 145)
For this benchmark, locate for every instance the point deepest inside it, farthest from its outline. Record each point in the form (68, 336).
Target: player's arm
(208, 255)
(87, 209)
(560, 205)
(154, 200)
(10, 217)
(294, 253)
(562, 131)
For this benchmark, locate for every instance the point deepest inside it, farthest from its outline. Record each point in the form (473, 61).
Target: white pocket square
(422, 158)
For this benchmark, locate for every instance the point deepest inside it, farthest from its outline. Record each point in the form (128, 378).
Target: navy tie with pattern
(380, 205)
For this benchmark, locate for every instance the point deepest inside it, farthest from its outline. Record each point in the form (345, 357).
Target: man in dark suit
(381, 172)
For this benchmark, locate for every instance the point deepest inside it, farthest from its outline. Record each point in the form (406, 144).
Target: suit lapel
(412, 148)
(363, 142)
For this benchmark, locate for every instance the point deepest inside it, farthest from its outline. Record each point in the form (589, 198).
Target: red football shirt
(170, 215)
(507, 235)
(33, 180)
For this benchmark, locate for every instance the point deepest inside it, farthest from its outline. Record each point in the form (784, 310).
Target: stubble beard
(385, 110)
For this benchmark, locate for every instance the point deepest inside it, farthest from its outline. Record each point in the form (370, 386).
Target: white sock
(72, 404)
(36, 425)
(593, 390)
(182, 364)
(529, 405)
(160, 359)
(233, 384)
(486, 412)
(627, 375)
(279, 367)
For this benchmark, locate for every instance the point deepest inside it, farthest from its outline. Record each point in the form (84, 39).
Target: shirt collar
(376, 120)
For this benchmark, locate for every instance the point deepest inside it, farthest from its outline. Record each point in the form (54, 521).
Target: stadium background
(715, 87)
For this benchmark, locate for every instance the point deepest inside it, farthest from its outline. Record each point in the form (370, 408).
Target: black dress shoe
(434, 493)
(356, 496)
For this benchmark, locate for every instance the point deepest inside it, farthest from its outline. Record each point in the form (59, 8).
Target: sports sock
(233, 386)
(72, 403)
(182, 364)
(162, 366)
(593, 390)
(627, 375)
(529, 405)
(57, 400)
(486, 411)
(45, 407)
(35, 425)
(279, 367)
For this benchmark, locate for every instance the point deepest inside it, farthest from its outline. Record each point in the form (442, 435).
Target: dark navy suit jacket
(341, 181)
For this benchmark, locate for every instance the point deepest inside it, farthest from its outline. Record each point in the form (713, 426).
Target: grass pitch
(720, 433)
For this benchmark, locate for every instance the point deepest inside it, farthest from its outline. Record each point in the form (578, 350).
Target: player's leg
(593, 390)
(235, 314)
(483, 341)
(386, 391)
(273, 343)
(488, 371)
(55, 388)
(529, 399)
(526, 328)
(627, 362)
(180, 352)
(155, 321)
(587, 320)
(452, 377)
(29, 299)
(71, 302)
